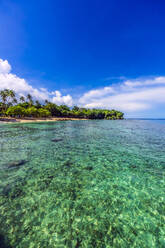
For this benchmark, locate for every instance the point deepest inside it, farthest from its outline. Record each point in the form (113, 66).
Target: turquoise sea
(95, 183)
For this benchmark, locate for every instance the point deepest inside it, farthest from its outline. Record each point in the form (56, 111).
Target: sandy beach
(29, 120)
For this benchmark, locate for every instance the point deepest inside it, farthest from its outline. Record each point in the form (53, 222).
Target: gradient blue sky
(98, 53)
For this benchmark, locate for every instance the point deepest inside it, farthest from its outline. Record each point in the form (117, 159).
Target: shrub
(53, 109)
(32, 112)
(44, 112)
(15, 111)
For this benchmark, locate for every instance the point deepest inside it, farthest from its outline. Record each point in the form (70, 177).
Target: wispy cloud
(129, 95)
(96, 94)
(145, 82)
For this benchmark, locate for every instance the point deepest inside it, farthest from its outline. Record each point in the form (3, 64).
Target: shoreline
(29, 120)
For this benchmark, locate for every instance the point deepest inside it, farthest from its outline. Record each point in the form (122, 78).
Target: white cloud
(59, 99)
(9, 80)
(145, 82)
(95, 94)
(128, 96)
(4, 66)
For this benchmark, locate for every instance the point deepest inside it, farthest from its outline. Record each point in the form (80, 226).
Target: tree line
(11, 106)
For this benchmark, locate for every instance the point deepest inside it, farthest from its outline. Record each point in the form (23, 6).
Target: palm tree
(46, 102)
(30, 99)
(11, 94)
(1, 107)
(4, 99)
(22, 99)
(5, 96)
(14, 100)
(12, 97)
(38, 104)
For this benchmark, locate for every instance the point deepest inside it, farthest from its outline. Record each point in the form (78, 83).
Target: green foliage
(17, 111)
(24, 105)
(53, 109)
(43, 112)
(38, 104)
(75, 108)
(32, 112)
(64, 107)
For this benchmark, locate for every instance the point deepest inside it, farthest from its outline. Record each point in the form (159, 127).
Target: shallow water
(82, 184)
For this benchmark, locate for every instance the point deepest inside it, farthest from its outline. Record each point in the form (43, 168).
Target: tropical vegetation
(12, 106)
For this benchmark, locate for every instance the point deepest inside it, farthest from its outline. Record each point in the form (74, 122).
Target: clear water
(82, 184)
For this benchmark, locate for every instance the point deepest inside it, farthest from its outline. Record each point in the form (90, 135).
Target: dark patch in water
(3, 243)
(26, 128)
(17, 192)
(89, 168)
(50, 177)
(68, 164)
(78, 243)
(15, 164)
(56, 140)
(46, 181)
(49, 129)
(13, 190)
(133, 166)
(35, 138)
(6, 190)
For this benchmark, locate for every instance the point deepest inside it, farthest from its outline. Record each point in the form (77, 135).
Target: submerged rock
(133, 166)
(6, 190)
(89, 168)
(18, 163)
(67, 163)
(13, 190)
(56, 140)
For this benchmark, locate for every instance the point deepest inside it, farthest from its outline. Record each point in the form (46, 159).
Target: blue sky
(90, 53)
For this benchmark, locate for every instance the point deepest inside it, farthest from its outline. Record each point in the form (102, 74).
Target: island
(26, 109)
